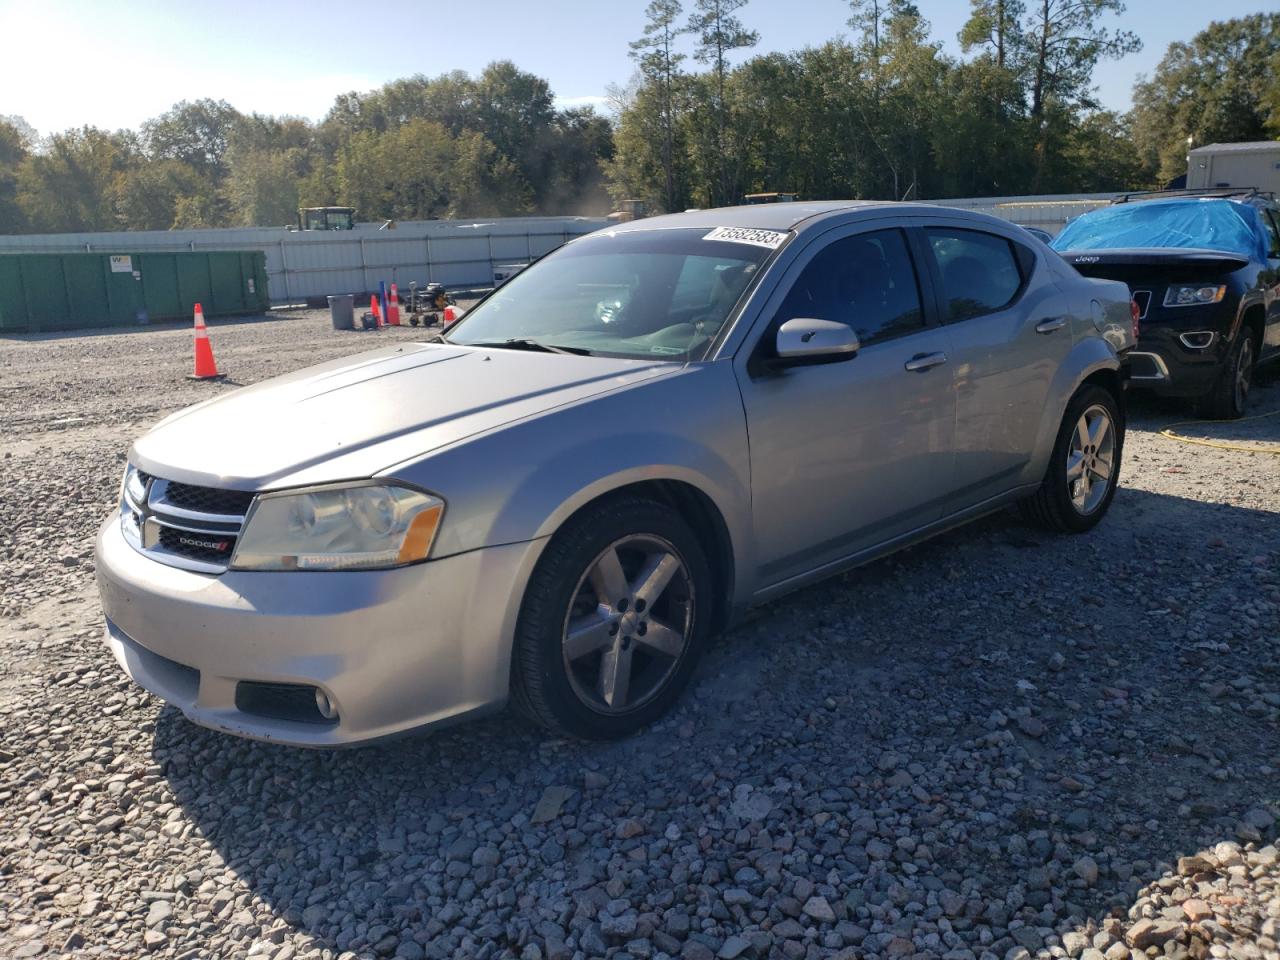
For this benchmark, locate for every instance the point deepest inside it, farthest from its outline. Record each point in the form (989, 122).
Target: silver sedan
(605, 463)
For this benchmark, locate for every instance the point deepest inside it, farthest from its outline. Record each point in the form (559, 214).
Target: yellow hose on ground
(1172, 435)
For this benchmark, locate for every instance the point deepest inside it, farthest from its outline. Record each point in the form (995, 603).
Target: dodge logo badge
(206, 544)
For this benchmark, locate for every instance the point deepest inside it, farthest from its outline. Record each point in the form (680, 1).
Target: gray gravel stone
(993, 744)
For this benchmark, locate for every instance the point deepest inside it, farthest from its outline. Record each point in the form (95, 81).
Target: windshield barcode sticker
(758, 238)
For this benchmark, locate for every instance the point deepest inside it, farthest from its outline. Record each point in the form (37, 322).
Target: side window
(867, 281)
(1273, 232)
(980, 272)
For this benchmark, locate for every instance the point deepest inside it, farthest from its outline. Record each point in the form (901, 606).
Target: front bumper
(393, 650)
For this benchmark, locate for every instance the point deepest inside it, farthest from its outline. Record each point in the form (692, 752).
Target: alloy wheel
(1091, 459)
(628, 624)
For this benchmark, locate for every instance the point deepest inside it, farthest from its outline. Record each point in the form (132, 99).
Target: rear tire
(1229, 396)
(614, 619)
(1089, 444)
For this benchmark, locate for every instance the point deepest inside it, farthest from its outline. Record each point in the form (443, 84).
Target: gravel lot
(1000, 744)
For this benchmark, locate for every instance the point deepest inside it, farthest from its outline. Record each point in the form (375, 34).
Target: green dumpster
(65, 291)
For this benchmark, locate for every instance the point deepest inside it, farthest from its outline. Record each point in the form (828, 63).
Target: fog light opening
(326, 706)
(1198, 339)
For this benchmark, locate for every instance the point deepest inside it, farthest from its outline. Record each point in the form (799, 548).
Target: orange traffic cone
(393, 307)
(205, 368)
(377, 313)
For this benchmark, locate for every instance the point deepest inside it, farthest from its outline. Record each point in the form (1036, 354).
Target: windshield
(1208, 224)
(643, 294)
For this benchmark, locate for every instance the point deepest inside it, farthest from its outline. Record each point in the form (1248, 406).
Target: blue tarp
(1207, 224)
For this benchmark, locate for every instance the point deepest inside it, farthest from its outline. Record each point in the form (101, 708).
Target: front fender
(522, 481)
(1087, 357)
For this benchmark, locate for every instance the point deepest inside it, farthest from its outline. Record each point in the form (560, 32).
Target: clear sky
(114, 64)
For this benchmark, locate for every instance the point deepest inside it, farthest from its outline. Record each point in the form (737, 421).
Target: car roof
(788, 216)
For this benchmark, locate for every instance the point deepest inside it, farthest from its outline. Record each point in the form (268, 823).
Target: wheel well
(1254, 321)
(1110, 381)
(707, 523)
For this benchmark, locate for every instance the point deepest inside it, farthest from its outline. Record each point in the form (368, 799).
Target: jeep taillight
(1135, 313)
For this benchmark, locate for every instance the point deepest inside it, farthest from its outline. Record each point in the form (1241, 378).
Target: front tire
(614, 619)
(1084, 468)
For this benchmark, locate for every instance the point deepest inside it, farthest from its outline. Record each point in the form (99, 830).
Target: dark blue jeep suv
(1203, 268)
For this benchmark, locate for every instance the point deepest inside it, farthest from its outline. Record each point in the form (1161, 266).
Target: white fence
(1047, 212)
(303, 264)
(457, 253)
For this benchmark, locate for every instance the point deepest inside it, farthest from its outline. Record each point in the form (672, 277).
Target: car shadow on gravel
(1010, 726)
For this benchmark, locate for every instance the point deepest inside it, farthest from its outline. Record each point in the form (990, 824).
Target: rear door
(847, 455)
(1009, 327)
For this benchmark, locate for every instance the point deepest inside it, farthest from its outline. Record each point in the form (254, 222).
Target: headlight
(133, 488)
(364, 527)
(1186, 295)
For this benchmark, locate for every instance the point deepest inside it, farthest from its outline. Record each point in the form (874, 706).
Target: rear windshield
(1207, 224)
(646, 294)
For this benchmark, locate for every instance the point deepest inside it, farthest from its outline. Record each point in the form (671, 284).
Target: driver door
(848, 455)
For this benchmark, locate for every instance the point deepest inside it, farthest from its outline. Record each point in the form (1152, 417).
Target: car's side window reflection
(979, 271)
(867, 281)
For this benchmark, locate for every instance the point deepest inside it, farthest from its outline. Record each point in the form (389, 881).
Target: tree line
(884, 113)
(879, 112)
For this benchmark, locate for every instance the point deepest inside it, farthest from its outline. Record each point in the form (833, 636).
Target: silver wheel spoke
(587, 635)
(657, 572)
(1075, 465)
(666, 640)
(1098, 432)
(615, 676)
(1102, 469)
(1082, 433)
(608, 580)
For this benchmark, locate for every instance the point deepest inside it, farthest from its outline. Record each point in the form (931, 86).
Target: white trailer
(1254, 164)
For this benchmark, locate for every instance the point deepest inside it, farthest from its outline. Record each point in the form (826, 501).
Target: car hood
(360, 415)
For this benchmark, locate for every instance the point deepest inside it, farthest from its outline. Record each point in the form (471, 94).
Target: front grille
(182, 524)
(208, 547)
(280, 701)
(208, 499)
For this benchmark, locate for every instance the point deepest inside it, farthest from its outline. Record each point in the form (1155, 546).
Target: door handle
(1050, 325)
(924, 361)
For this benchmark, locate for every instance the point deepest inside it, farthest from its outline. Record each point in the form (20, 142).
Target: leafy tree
(146, 195)
(994, 25)
(195, 132)
(660, 67)
(1065, 40)
(15, 145)
(71, 186)
(718, 34)
(1221, 86)
(485, 183)
(1099, 156)
(581, 144)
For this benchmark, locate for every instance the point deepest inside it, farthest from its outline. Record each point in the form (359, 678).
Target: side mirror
(804, 341)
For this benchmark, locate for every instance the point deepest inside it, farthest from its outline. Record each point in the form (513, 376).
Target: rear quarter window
(981, 273)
